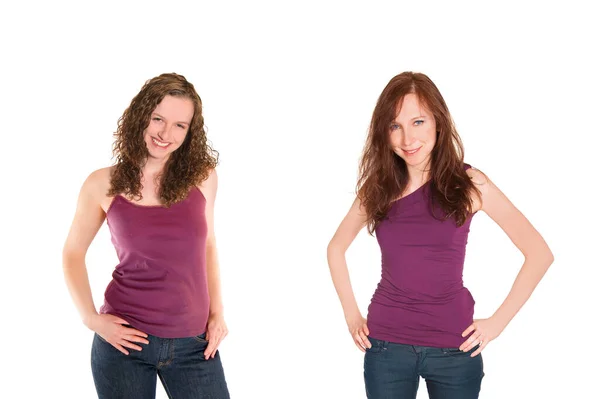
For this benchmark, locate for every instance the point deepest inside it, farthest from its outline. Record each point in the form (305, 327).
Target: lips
(411, 152)
(160, 144)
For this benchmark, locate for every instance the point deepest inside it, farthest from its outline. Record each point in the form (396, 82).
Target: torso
(160, 283)
(421, 299)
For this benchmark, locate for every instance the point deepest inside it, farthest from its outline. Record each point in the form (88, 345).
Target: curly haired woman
(162, 314)
(418, 196)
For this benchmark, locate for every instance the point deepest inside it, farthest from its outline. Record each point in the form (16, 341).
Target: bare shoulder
(208, 187)
(482, 183)
(90, 212)
(477, 176)
(358, 208)
(96, 186)
(98, 180)
(480, 179)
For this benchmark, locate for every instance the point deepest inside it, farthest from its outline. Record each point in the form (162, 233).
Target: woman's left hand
(484, 331)
(216, 331)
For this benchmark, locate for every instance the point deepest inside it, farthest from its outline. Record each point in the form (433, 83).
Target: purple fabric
(160, 284)
(421, 299)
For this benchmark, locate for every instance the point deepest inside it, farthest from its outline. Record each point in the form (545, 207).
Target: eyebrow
(412, 119)
(157, 114)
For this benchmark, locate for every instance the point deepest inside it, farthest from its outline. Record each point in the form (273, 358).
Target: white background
(288, 93)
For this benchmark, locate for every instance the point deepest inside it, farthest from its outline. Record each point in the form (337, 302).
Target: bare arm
(88, 219)
(526, 238)
(538, 256)
(209, 188)
(351, 225)
(216, 329)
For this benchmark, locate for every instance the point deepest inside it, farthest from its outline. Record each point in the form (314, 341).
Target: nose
(408, 137)
(165, 133)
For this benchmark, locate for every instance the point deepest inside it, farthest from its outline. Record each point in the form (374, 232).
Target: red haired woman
(418, 196)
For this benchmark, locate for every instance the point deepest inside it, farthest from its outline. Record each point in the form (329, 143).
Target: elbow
(71, 260)
(66, 259)
(211, 244)
(549, 257)
(543, 257)
(331, 248)
(211, 239)
(334, 250)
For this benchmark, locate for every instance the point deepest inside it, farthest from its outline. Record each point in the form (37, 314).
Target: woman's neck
(153, 166)
(418, 175)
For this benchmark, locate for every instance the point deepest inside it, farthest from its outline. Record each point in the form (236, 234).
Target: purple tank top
(421, 299)
(160, 284)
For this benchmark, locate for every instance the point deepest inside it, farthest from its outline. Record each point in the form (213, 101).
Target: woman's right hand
(357, 325)
(114, 331)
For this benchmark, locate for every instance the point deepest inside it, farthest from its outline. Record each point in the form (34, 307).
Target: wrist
(352, 315)
(218, 312)
(501, 320)
(89, 320)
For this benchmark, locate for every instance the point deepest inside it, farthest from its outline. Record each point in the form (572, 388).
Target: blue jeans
(393, 371)
(179, 362)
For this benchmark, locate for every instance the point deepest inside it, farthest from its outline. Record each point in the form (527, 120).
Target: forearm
(341, 281)
(76, 277)
(214, 280)
(528, 278)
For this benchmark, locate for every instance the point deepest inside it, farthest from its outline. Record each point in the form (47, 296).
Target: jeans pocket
(377, 345)
(458, 352)
(201, 338)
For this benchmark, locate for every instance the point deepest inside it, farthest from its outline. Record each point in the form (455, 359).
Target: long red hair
(383, 176)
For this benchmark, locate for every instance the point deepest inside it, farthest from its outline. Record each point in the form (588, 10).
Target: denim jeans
(178, 362)
(393, 371)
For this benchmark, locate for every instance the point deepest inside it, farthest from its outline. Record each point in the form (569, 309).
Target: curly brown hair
(189, 165)
(383, 175)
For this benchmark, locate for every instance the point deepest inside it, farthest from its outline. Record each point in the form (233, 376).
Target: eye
(419, 122)
(394, 126)
(179, 125)
(156, 118)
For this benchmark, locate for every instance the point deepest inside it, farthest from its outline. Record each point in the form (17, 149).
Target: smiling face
(413, 133)
(168, 127)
